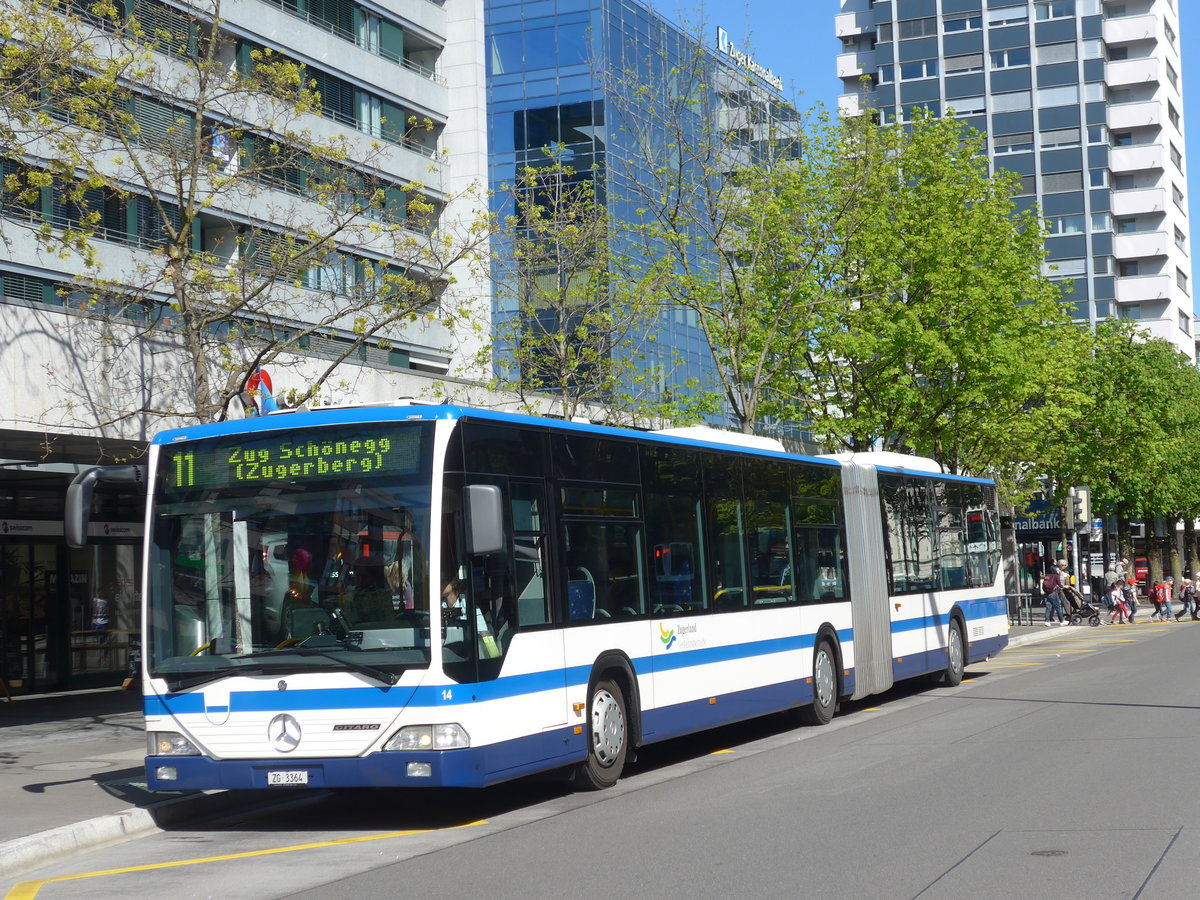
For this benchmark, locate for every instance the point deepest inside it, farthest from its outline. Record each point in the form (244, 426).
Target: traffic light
(1068, 510)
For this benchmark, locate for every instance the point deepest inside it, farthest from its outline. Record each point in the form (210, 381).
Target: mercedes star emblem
(284, 733)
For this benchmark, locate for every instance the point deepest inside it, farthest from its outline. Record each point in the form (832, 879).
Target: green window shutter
(395, 205)
(391, 41)
(245, 63)
(394, 121)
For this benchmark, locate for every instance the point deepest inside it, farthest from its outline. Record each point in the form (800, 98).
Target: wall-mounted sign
(726, 48)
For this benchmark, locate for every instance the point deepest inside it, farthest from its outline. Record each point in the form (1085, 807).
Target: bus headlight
(451, 736)
(169, 743)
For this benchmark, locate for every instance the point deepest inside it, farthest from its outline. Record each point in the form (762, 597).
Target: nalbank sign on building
(726, 48)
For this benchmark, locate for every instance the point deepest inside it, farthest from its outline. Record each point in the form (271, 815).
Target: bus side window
(529, 563)
(676, 565)
(727, 578)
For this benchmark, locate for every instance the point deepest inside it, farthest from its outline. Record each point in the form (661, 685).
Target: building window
(922, 68)
(883, 33)
(1172, 76)
(1098, 178)
(1169, 32)
(968, 106)
(1176, 158)
(1132, 311)
(1060, 182)
(1117, 54)
(1012, 15)
(1125, 225)
(887, 74)
(1101, 221)
(1180, 239)
(1064, 224)
(1122, 138)
(1056, 53)
(1011, 102)
(1127, 268)
(1181, 280)
(1185, 323)
(1173, 115)
(1101, 265)
(915, 28)
(1013, 143)
(1066, 95)
(1097, 134)
(1177, 195)
(1054, 9)
(1007, 59)
(1060, 137)
(972, 22)
(971, 62)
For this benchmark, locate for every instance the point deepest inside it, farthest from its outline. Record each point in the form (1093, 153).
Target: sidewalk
(71, 776)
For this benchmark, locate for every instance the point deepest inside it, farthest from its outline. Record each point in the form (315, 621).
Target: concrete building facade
(1081, 98)
(68, 617)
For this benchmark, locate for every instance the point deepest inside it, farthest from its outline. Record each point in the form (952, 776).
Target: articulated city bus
(436, 595)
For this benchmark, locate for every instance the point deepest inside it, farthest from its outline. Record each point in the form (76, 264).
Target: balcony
(849, 24)
(1139, 200)
(1123, 29)
(1138, 158)
(1138, 114)
(855, 65)
(1132, 71)
(1141, 245)
(1143, 288)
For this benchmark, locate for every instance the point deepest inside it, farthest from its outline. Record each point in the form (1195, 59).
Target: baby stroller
(1078, 609)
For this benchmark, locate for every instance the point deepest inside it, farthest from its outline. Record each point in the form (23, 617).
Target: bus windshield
(291, 551)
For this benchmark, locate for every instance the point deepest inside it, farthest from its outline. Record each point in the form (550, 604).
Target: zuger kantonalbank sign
(746, 61)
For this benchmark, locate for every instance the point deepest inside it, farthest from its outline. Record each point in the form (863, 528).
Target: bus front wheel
(824, 686)
(608, 737)
(956, 656)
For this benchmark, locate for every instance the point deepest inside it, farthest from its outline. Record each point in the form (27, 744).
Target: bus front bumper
(445, 768)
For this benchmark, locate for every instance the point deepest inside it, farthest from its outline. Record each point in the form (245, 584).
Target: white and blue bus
(410, 595)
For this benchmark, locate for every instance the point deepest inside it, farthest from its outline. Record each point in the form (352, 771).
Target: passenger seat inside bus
(581, 595)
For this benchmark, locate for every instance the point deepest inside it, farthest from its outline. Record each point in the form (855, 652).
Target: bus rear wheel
(608, 738)
(824, 686)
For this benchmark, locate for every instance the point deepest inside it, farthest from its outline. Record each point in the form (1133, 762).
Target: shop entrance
(66, 616)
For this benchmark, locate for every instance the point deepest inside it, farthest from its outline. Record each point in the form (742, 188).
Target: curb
(35, 850)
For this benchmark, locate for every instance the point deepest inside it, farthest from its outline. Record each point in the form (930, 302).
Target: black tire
(607, 735)
(1094, 621)
(956, 656)
(1076, 618)
(824, 684)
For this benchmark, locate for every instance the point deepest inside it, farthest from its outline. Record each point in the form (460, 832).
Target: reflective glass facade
(555, 69)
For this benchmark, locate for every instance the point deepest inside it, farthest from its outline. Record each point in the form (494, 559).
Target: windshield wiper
(184, 680)
(388, 678)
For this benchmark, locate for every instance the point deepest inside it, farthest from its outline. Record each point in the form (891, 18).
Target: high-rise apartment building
(1081, 98)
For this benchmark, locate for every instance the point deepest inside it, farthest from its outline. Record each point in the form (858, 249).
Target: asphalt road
(1064, 769)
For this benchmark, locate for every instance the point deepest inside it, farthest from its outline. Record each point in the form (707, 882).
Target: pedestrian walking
(1052, 588)
(1131, 602)
(1188, 595)
(1162, 599)
(1115, 600)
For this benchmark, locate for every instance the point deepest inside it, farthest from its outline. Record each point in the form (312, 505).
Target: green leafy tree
(573, 324)
(939, 335)
(257, 228)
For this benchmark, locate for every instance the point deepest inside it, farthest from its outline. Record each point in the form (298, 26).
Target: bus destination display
(288, 457)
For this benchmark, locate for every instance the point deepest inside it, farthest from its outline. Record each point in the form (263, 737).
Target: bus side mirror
(79, 498)
(485, 519)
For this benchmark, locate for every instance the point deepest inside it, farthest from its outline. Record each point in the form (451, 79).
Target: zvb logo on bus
(678, 638)
(667, 637)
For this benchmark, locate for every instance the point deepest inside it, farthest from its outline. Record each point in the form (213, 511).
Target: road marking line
(28, 890)
(719, 752)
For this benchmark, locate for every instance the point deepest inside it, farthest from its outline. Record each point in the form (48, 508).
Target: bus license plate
(287, 777)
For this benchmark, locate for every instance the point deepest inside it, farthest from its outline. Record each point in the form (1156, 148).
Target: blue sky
(795, 39)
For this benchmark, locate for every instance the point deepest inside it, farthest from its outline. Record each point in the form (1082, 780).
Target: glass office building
(1084, 100)
(562, 72)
